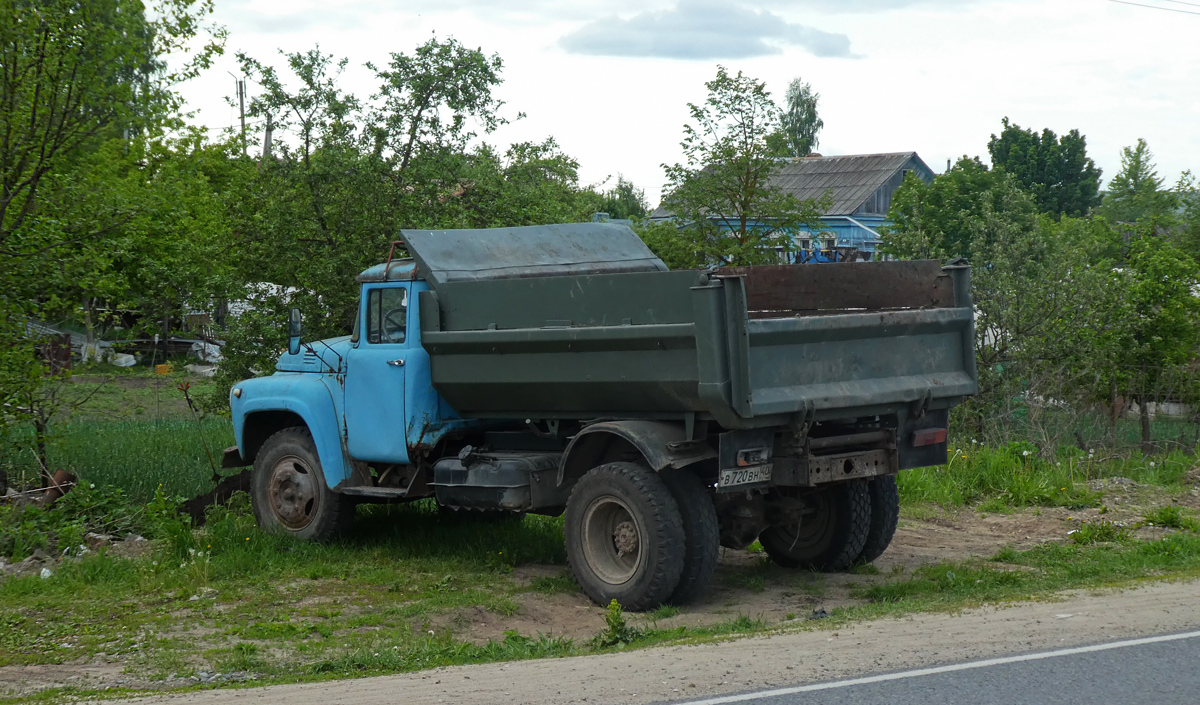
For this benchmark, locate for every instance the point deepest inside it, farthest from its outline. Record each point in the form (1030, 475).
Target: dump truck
(564, 370)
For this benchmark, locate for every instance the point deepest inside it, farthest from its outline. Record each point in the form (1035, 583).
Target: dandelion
(1025, 452)
(1151, 463)
(1062, 489)
(92, 485)
(1058, 464)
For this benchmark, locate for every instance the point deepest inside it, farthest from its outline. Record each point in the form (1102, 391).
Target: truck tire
(885, 514)
(288, 490)
(624, 536)
(701, 532)
(829, 539)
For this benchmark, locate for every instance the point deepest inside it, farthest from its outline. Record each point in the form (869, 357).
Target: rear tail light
(928, 436)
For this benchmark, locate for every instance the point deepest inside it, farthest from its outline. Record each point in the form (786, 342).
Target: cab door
(375, 377)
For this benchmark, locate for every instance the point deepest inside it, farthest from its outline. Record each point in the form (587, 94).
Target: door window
(387, 315)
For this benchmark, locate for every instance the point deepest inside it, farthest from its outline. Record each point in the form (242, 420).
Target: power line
(1156, 7)
(1181, 2)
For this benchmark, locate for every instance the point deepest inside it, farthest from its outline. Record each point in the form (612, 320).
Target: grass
(1042, 570)
(364, 605)
(134, 432)
(1018, 475)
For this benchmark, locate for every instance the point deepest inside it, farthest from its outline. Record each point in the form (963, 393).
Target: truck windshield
(387, 315)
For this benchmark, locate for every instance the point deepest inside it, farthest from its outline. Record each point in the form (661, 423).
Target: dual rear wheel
(848, 523)
(644, 538)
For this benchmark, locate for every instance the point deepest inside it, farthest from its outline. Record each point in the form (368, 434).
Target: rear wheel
(885, 514)
(830, 537)
(288, 490)
(624, 535)
(702, 534)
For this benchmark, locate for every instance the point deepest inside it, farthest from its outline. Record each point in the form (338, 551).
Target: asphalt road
(1160, 670)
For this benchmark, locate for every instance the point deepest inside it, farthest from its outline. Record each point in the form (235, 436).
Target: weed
(618, 632)
(865, 569)
(1102, 531)
(103, 510)
(1173, 517)
(664, 612)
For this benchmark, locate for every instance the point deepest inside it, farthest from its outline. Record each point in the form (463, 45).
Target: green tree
(73, 71)
(1160, 325)
(730, 211)
(1058, 172)
(1188, 236)
(429, 100)
(1135, 194)
(948, 217)
(348, 175)
(800, 124)
(623, 201)
(73, 76)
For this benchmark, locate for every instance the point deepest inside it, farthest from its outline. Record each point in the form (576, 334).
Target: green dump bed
(583, 322)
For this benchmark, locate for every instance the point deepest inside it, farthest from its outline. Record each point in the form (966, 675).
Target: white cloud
(699, 30)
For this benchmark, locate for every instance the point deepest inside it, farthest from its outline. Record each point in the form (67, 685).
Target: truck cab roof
(398, 270)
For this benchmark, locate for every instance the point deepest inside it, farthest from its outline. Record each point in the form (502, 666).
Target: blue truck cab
(563, 370)
(353, 393)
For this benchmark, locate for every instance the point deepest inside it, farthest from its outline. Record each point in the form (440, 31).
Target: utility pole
(241, 96)
(266, 151)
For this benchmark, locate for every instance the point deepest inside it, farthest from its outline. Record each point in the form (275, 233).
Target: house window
(806, 244)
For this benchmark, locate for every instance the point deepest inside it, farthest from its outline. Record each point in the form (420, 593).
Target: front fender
(307, 396)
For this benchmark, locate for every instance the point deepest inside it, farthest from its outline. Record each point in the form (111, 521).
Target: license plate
(744, 476)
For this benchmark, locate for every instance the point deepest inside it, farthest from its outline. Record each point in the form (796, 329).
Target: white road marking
(940, 669)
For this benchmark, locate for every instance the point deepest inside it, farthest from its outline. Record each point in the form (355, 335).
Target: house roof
(852, 178)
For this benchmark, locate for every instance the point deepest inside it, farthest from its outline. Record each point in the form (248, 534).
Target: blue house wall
(856, 231)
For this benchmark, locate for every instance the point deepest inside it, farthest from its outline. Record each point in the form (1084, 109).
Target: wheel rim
(814, 529)
(612, 540)
(293, 493)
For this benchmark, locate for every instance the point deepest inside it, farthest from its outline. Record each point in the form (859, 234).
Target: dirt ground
(745, 583)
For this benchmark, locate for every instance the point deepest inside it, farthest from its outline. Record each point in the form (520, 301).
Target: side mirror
(294, 329)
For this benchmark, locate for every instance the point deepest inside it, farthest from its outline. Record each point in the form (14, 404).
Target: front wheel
(288, 490)
(625, 537)
(830, 536)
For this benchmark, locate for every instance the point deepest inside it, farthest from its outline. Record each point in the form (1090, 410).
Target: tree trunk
(1144, 413)
(40, 431)
(1112, 415)
(89, 346)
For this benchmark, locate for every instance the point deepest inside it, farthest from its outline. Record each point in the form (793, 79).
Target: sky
(611, 81)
